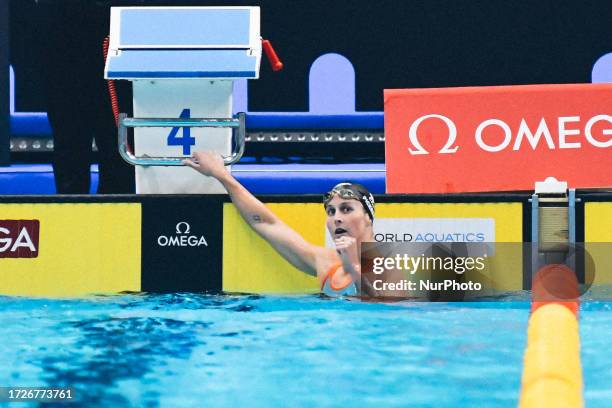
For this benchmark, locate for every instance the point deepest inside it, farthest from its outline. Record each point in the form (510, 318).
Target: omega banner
(476, 139)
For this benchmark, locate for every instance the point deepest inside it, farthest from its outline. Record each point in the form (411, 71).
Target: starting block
(182, 62)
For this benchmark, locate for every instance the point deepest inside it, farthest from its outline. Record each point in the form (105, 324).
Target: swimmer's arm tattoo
(256, 218)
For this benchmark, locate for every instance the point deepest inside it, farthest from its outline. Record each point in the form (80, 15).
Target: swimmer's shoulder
(327, 261)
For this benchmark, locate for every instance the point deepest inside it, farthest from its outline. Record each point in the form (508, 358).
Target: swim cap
(352, 191)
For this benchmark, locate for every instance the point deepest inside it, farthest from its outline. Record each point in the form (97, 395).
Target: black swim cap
(352, 191)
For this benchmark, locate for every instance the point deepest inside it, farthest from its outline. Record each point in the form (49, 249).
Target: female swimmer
(350, 215)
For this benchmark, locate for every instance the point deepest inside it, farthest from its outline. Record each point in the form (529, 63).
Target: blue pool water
(213, 350)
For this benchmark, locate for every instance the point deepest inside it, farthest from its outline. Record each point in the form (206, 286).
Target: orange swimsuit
(328, 287)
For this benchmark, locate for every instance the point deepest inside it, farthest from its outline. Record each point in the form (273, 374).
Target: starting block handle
(238, 124)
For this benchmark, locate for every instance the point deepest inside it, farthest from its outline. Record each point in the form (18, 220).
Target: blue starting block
(182, 62)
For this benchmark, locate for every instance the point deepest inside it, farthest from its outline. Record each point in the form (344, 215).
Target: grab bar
(237, 124)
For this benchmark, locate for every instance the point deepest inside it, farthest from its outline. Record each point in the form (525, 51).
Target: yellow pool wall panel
(504, 270)
(250, 265)
(598, 239)
(83, 249)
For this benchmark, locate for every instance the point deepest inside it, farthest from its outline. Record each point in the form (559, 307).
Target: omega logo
(187, 228)
(182, 237)
(19, 238)
(523, 135)
(452, 135)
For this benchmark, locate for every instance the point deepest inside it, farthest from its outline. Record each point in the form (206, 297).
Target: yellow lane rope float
(552, 373)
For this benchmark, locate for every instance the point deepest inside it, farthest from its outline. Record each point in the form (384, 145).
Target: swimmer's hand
(349, 253)
(208, 163)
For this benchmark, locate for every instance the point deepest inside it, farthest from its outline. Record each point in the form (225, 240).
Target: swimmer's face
(347, 217)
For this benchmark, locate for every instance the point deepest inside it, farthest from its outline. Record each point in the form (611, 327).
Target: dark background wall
(4, 83)
(392, 44)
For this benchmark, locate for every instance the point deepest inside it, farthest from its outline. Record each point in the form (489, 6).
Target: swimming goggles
(348, 191)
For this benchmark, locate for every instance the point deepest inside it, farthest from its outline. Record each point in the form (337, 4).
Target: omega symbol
(418, 148)
(187, 228)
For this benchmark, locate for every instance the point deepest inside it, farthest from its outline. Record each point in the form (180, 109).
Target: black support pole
(4, 84)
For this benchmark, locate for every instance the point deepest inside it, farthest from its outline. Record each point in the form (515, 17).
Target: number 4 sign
(186, 140)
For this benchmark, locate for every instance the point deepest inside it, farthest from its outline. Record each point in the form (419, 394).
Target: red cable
(111, 86)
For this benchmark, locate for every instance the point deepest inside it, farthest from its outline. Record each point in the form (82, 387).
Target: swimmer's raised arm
(291, 245)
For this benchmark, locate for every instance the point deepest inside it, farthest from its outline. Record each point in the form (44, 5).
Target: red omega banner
(474, 139)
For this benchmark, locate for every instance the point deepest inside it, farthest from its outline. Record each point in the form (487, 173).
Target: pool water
(215, 350)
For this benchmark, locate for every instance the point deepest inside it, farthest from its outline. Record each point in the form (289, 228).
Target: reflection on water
(110, 350)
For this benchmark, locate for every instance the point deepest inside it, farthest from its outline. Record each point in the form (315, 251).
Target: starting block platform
(182, 63)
